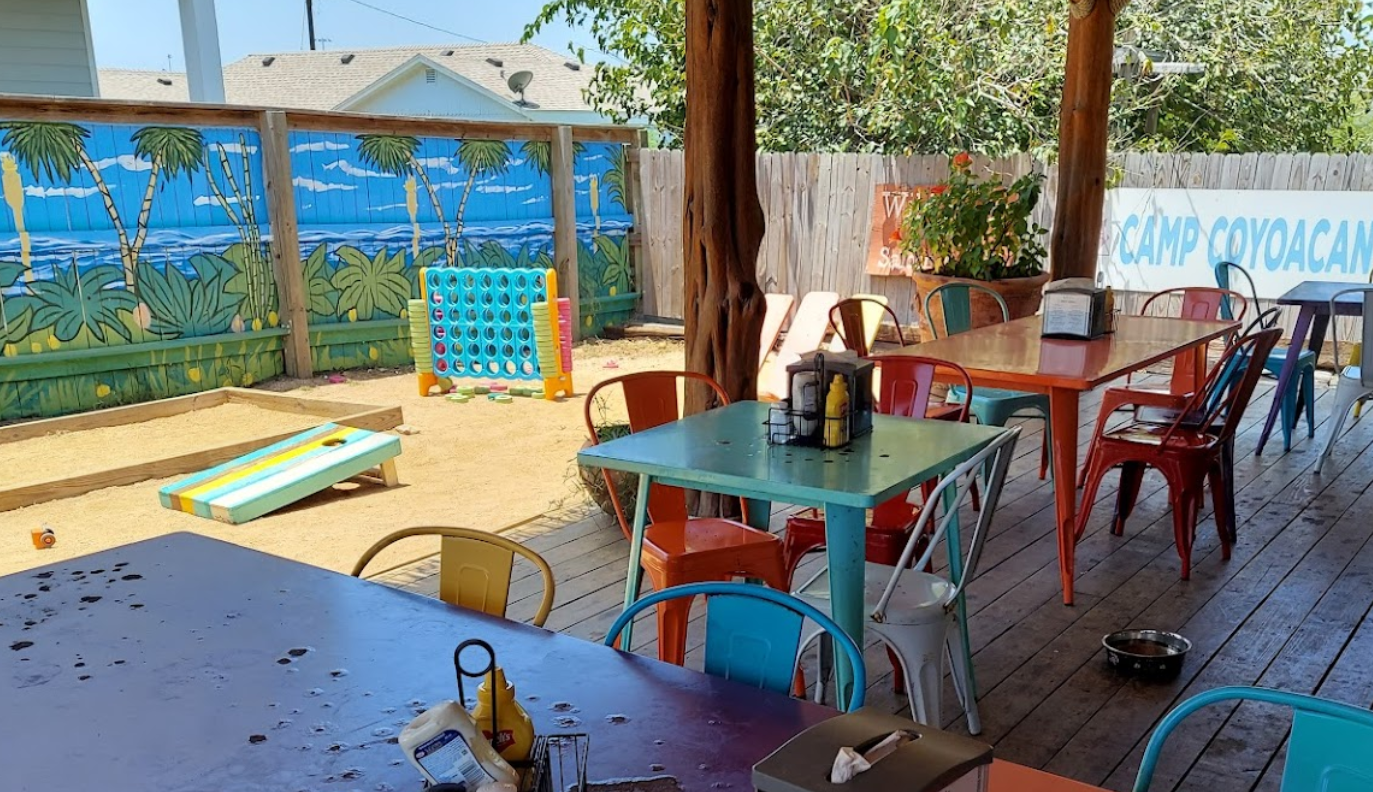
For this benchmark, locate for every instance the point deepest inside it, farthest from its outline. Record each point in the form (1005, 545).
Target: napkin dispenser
(1076, 308)
(802, 419)
(934, 761)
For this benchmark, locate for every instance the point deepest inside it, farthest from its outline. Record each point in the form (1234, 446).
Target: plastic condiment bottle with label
(446, 746)
(837, 412)
(514, 730)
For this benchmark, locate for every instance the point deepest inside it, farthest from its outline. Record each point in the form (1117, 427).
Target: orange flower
(939, 189)
(962, 160)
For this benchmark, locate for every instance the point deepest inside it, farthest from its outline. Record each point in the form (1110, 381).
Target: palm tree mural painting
(56, 148)
(479, 158)
(171, 151)
(395, 154)
(253, 279)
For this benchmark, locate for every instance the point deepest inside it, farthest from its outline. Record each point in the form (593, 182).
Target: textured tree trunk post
(1082, 131)
(723, 222)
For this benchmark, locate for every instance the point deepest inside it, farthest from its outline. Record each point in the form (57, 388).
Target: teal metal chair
(1230, 276)
(991, 406)
(753, 634)
(1328, 750)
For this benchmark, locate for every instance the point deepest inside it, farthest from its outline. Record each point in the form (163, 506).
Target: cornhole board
(246, 488)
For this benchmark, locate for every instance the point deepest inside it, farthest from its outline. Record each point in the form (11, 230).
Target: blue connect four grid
(480, 322)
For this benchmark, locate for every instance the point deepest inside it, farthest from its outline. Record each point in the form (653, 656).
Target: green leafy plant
(183, 307)
(16, 310)
(374, 287)
(252, 278)
(612, 253)
(73, 301)
(321, 296)
(615, 177)
(976, 227)
(493, 254)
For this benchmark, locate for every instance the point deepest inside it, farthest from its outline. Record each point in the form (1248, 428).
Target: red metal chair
(1203, 303)
(1189, 452)
(679, 548)
(905, 385)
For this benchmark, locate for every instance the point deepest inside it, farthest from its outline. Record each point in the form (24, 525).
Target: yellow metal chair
(474, 568)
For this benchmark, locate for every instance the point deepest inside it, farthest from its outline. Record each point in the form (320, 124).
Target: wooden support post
(1082, 131)
(723, 223)
(634, 194)
(290, 276)
(565, 223)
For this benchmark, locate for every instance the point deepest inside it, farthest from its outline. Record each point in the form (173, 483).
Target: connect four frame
(496, 323)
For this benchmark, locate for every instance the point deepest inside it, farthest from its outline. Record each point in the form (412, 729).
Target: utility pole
(310, 20)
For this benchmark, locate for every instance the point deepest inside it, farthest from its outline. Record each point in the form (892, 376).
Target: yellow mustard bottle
(836, 413)
(514, 729)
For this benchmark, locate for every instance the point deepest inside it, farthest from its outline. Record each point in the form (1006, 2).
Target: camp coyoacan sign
(1161, 239)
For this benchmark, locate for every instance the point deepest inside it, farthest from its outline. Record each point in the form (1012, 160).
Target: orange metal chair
(1202, 303)
(474, 568)
(679, 548)
(855, 322)
(1189, 452)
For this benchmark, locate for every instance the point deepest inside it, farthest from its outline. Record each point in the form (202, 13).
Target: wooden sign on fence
(884, 240)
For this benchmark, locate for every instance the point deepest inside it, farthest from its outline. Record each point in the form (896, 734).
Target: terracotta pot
(1022, 296)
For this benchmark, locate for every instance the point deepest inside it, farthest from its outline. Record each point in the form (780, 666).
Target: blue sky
(140, 34)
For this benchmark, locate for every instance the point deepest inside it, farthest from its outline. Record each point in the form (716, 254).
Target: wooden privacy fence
(819, 209)
(151, 250)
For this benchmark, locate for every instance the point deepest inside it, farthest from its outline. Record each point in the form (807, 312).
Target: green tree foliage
(376, 287)
(187, 307)
(949, 75)
(73, 301)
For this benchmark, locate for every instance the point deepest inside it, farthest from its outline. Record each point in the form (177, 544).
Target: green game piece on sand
(537, 394)
(459, 398)
(502, 398)
(465, 390)
(480, 390)
(518, 391)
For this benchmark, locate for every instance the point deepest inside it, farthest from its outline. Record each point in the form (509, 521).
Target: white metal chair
(916, 613)
(1356, 381)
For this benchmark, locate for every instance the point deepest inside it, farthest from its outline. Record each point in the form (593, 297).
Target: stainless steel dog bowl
(1148, 654)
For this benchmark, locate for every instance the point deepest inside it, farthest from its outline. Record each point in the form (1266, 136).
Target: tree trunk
(451, 241)
(433, 199)
(723, 223)
(113, 210)
(146, 210)
(1082, 129)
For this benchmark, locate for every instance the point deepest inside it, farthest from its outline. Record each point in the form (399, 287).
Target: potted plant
(977, 228)
(593, 479)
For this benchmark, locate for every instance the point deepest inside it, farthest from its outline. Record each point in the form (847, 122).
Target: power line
(415, 21)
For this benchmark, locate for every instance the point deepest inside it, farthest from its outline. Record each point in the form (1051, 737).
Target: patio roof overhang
(723, 222)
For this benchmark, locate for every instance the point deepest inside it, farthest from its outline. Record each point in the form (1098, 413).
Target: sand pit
(482, 465)
(73, 453)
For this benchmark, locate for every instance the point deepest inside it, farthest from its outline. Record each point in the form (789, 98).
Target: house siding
(45, 49)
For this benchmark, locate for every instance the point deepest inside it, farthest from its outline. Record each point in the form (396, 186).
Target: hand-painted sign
(1159, 239)
(884, 240)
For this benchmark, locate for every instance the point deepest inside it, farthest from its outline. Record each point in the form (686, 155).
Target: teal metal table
(726, 451)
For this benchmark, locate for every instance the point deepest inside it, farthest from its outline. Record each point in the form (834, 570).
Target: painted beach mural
(374, 209)
(127, 243)
(135, 259)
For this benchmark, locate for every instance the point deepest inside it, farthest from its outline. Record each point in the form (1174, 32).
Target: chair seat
(1353, 373)
(703, 535)
(1142, 433)
(1278, 358)
(990, 395)
(919, 597)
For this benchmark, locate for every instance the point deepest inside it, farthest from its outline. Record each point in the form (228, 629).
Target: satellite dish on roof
(519, 81)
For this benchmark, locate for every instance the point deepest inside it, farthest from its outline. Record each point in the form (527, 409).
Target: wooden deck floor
(1289, 610)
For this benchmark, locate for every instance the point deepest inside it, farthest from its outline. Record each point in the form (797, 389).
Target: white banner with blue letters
(1156, 239)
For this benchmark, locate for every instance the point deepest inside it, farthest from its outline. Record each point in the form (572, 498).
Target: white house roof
(322, 80)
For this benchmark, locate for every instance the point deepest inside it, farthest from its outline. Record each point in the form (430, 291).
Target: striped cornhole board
(270, 478)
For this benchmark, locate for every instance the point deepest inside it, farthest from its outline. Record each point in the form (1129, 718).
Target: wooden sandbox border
(359, 416)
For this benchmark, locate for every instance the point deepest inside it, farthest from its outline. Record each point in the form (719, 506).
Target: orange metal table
(1013, 356)
(1008, 777)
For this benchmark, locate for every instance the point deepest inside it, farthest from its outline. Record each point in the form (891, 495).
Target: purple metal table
(1314, 299)
(184, 663)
